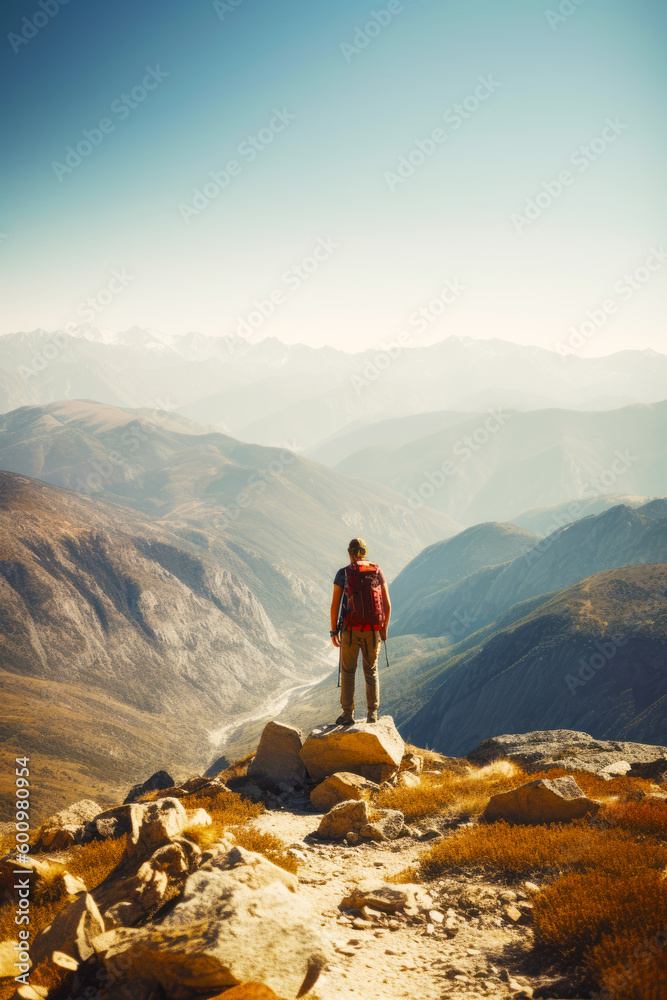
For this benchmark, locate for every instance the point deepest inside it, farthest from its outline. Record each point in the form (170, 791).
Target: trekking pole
(386, 656)
(340, 656)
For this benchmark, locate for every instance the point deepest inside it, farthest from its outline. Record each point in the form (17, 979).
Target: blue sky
(331, 111)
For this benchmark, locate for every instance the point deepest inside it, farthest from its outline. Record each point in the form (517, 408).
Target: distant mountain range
(493, 467)
(273, 393)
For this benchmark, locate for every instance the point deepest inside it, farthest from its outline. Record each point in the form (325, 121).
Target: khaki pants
(351, 643)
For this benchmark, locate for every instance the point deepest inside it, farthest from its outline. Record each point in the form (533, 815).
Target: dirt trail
(415, 961)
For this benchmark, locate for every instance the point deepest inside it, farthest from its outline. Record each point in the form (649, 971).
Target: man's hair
(357, 548)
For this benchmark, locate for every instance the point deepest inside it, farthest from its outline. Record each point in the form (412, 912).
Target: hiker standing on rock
(360, 610)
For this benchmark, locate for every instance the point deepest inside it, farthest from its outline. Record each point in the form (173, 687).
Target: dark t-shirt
(339, 581)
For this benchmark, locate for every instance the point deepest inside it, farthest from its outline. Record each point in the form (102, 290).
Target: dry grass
(451, 793)
(271, 847)
(90, 862)
(647, 818)
(227, 812)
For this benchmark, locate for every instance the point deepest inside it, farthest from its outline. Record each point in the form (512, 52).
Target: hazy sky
(314, 116)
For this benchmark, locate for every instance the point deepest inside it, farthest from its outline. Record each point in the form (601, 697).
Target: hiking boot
(372, 715)
(345, 720)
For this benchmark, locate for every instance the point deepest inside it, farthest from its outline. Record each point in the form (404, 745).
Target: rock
(156, 782)
(430, 833)
(565, 748)
(277, 759)
(344, 818)
(198, 817)
(252, 869)
(58, 838)
(71, 932)
(407, 779)
(67, 827)
(125, 901)
(557, 800)
(248, 991)
(340, 787)
(385, 824)
(411, 762)
(615, 768)
(222, 933)
(513, 913)
(153, 823)
(387, 898)
(373, 750)
(652, 770)
(45, 871)
(114, 822)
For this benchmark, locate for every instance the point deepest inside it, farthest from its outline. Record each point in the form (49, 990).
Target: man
(360, 610)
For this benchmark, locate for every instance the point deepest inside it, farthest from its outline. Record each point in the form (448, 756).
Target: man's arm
(386, 603)
(335, 608)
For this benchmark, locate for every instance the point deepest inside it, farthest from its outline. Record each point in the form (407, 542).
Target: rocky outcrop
(65, 828)
(221, 933)
(153, 823)
(157, 782)
(252, 869)
(357, 817)
(277, 760)
(575, 751)
(71, 933)
(557, 800)
(372, 750)
(340, 787)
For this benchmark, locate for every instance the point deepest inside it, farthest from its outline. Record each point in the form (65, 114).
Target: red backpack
(363, 591)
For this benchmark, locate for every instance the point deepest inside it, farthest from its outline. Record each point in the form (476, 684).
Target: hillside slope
(620, 536)
(592, 658)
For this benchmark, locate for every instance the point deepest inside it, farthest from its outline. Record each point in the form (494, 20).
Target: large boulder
(384, 824)
(344, 818)
(340, 787)
(67, 827)
(373, 750)
(557, 800)
(566, 748)
(71, 933)
(222, 933)
(111, 823)
(153, 823)
(277, 759)
(124, 901)
(252, 869)
(156, 783)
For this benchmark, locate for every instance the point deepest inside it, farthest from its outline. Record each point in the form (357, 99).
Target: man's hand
(336, 640)
(383, 633)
